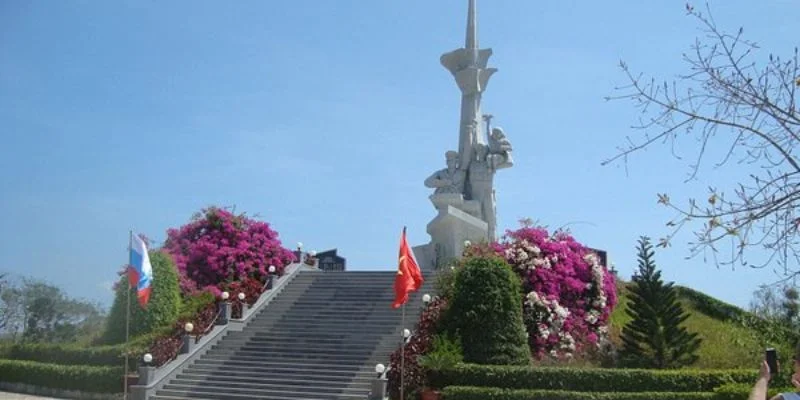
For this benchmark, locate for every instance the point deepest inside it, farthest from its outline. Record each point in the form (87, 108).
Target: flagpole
(127, 317)
(403, 352)
(403, 341)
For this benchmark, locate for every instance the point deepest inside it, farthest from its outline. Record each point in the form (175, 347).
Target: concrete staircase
(320, 338)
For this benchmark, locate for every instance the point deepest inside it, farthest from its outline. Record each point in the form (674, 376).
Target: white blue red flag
(140, 271)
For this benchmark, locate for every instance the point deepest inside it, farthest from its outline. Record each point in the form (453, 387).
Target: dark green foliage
(654, 338)
(591, 379)
(486, 313)
(478, 393)
(69, 377)
(162, 309)
(446, 353)
(194, 304)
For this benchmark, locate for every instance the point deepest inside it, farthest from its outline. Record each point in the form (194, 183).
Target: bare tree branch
(744, 109)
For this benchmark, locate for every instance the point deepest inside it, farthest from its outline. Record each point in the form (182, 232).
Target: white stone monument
(464, 191)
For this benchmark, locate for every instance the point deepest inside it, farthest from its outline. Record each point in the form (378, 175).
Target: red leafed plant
(166, 348)
(419, 344)
(252, 289)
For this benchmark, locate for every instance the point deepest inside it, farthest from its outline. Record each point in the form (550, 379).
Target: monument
(464, 195)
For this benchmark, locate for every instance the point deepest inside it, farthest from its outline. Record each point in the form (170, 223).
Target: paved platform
(17, 396)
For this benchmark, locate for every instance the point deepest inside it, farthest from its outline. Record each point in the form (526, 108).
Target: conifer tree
(654, 338)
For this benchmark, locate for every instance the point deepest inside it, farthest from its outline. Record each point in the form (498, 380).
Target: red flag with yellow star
(409, 277)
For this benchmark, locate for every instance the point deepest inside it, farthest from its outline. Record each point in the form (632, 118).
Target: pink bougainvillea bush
(218, 247)
(568, 295)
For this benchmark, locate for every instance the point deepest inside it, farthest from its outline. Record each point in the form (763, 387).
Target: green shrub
(479, 393)
(739, 391)
(195, 303)
(162, 309)
(486, 313)
(69, 377)
(590, 379)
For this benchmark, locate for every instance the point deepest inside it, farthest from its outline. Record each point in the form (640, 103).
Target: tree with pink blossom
(568, 294)
(218, 247)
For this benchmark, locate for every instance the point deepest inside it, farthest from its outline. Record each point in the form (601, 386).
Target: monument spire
(464, 193)
(468, 66)
(472, 27)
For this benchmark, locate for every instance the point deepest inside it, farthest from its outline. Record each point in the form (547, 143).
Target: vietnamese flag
(409, 277)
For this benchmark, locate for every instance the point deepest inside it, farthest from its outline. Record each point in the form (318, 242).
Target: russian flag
(140, 272)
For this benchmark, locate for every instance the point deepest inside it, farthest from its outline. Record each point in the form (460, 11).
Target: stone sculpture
(464, 194)
(450, 179)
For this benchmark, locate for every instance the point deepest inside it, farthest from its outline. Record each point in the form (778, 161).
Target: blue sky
(324, 117)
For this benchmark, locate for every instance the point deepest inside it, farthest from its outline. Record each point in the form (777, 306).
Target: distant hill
(732, 337)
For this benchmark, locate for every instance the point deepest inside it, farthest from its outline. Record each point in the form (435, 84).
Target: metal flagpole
(127, 318)
(403, 352)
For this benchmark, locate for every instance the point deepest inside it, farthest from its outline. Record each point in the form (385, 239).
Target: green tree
(47, 314)
(654, 338)
(780, 304)
(486, 313)
(162, 308)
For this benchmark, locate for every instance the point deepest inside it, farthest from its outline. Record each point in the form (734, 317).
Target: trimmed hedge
(69, 377)
(590, 379)
(77, 354)
(738, 391)
(476, 393)
(65, 354)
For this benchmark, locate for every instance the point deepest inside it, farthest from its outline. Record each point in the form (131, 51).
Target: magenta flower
(569, 296)
(218, 247)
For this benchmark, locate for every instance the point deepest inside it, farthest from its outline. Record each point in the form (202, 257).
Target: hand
(796, 380)
(764, 372)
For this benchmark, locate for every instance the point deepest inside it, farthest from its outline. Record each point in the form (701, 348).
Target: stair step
(300, 341)
(333, 326)
(294, 378)
(279, 369)
(223, 354)
(238, 356)
(351, 332)
(271, 336)
(200, 394)
(260, 386)
(307, 364)
(311, 347)
(276, 389)
(326, 318)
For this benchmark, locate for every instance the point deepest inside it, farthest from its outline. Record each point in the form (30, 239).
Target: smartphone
(772, 361)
